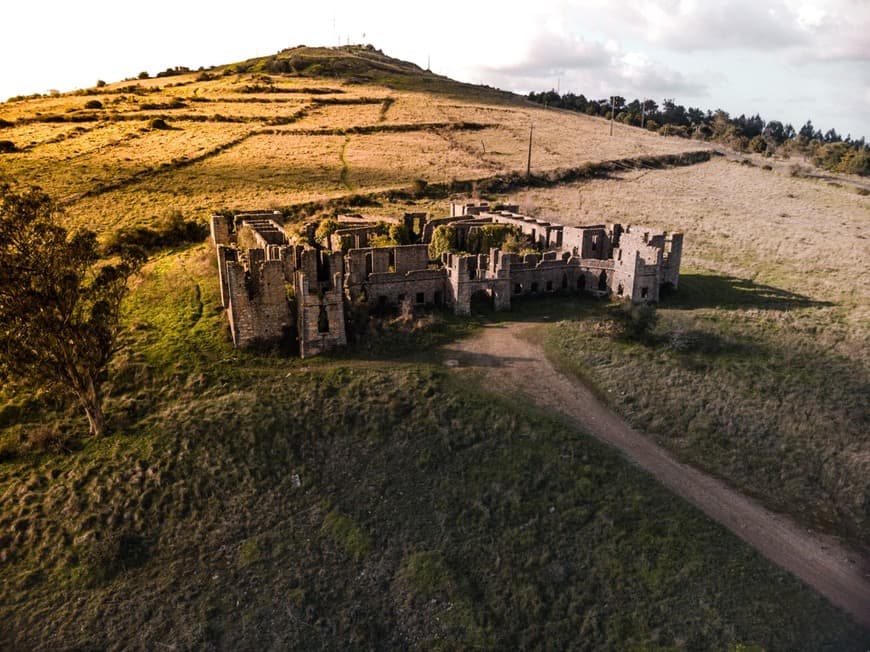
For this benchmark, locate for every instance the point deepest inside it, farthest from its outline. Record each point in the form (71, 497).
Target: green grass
(735, 382)
(349, 501)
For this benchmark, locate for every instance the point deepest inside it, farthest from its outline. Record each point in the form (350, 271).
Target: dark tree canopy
(745, 133)
(59, 302)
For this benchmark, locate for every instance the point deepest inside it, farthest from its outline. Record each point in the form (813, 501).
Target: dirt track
(514, 365)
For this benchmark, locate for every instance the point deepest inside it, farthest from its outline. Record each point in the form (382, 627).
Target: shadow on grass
(729, 292)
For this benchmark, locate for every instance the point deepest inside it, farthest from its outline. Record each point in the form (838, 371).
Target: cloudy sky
(793, 61)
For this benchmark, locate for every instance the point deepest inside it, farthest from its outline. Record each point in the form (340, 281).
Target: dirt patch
(513, 365)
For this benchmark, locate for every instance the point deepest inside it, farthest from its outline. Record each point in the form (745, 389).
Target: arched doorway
(602, 280)
(482, 302)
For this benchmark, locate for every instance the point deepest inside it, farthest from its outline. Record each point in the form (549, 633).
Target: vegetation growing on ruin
(373, 498)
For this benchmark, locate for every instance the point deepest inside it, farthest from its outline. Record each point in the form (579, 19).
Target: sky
(791, 61)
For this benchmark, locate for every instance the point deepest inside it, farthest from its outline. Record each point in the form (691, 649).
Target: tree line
(828, 150)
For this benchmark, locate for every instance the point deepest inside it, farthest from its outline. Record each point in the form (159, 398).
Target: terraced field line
(516, 366)
(345, 169)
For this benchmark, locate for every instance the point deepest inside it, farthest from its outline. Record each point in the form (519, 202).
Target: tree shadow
(730, 292)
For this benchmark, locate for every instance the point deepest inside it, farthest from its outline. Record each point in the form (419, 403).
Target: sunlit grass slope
(363, 500)
(373, 502)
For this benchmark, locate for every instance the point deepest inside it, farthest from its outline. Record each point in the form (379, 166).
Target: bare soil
(516, 366)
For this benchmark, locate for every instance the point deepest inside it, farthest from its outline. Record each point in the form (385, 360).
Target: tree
(59, 302)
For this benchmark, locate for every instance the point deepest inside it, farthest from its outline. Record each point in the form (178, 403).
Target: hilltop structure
(264, 270)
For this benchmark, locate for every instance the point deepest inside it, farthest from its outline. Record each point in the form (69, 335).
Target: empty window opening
(439, 299)
(643, 292)
(619, 289)
(391, 261)
(564, 281)
(369, 266)
(549, 286)
(602, 281)
(323, 320)
(421, 297)
(518, 288)
(581, 282)
(401, 298)
(323, 275)
(534, 287)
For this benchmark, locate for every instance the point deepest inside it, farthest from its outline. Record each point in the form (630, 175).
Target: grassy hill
(373, 499)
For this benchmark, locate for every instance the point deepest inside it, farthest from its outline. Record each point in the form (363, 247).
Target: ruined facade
(263, 272)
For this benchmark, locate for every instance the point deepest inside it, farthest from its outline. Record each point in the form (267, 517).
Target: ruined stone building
(263, 271)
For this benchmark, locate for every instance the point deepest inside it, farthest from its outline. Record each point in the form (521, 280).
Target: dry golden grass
(559, 139)
(265, 171)
(337, 116)
(138, 174)
(796, 234)
(384, 160)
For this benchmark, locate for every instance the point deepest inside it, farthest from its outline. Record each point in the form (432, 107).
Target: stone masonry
(264, 273)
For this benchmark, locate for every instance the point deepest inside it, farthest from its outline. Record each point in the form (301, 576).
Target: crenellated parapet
(263, 269)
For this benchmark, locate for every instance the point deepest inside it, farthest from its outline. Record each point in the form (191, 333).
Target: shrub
(171, 231)
(144, 75)
(325, 229)
(115, 553)
(634, 322)
(419, 187)
(443, 240)
(158, 123)
(100, 83)
(93, 104)
(7, 147)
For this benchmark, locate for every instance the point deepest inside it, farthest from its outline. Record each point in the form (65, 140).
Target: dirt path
(514, 365)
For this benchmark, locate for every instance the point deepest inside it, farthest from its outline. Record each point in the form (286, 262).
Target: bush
(325, 229)
(144, 75)
(158, 123)
(100, 83)
(419, 187)
(93, 104)
(7, 147)
(114, 554)
(171, 231)
(443, 240)
(633, 321)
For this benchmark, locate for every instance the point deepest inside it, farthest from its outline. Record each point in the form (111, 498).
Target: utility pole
(529, 161)
(612, 111)
(642, 112)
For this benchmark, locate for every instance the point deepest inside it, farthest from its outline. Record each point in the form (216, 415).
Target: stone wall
(320, 323)
(257, 304)
(632, 263)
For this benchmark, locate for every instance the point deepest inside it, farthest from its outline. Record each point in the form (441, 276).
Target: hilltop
(378, 498)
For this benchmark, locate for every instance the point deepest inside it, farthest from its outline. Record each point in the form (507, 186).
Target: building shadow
(730, 292)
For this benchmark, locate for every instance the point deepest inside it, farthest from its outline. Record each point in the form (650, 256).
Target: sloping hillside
(243, 136)
(368, 499)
